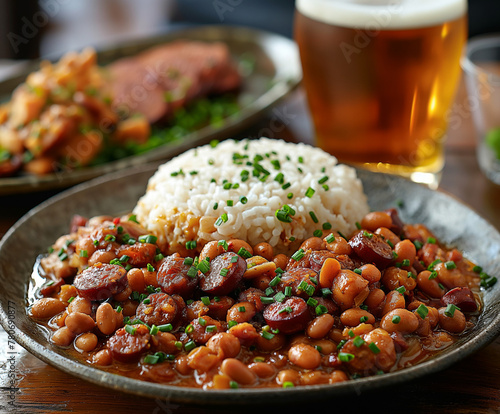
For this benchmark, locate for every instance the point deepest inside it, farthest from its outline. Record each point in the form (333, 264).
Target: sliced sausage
(140, 254)
(289, 316)
(371, 248)
(252, 295)
(173, 277)
(198, 331)
(101, 281)
(226, 272)
(128, 347)
(397, 224)
(461, 297)
(159, 310)
(299, 280)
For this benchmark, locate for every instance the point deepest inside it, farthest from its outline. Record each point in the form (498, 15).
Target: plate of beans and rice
(251, 268)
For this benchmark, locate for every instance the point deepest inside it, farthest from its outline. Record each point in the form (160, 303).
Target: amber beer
(380, 79)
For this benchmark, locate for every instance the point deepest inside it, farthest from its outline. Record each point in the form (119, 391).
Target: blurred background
(34, 28)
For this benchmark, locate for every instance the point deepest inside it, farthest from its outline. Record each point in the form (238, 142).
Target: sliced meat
(173, 277)
(128, 347)
(461, 297)
(157, 309)
(289, 316)
(371, 248)
(226, 272)
(101, 281)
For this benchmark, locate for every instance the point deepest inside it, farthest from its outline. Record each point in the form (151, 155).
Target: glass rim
(475, 44)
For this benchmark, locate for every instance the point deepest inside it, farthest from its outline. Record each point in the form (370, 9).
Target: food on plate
(61, 117)
(227, 312)
(257, 190)
(73, 113)
(160, 80)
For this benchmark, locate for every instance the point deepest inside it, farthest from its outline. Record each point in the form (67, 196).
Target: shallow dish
(452, 222)
(274, 74)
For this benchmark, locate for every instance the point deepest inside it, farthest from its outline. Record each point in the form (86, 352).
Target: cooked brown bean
(226, 344)
(63, 336)
(241, 312)
(238, 371)
(405, 250)
(450, 278)
(165, 342)
(281, 260)
(393, 300)
(181, 365)
(288, 376)
(80, 304)
(202, 359)
(354, 316)
(375, 219)
(370, 273)
(262, 369)
(265, 250)
(399, 320)
(349, 289)
(135, 279)
(338, 376)
(314, 378)
(245, 332)
(101, 256)
(313, 243)
(47, 308)
(304, 356)
(375, 300)
(78, 322)
(338, 245)
(269, 343)
(324, 346)
(103, 358)
(234, 245)
(388, 235)
(320, 326)
(455, 323)
(86, 342)
(106, 318)
(429, 284)
(123, 295)
(211, 250)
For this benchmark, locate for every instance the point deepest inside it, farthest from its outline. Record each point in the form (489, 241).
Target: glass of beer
(380, 78)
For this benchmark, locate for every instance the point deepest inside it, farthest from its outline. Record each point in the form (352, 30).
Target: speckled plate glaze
(276, 72)
(452, 222)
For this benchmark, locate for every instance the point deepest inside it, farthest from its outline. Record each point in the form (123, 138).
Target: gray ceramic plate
(452, 222)
(275, 72)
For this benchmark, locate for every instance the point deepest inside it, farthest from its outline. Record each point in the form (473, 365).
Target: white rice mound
(186, 199)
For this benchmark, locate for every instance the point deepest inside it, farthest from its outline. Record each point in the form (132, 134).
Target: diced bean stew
(231, 315)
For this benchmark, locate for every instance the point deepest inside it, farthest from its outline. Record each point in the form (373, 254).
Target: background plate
(451, 221)
(276, 72)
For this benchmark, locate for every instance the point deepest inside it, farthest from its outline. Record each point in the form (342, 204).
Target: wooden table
(471, 386)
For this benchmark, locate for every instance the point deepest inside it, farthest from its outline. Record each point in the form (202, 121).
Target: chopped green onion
(298, 255)
(190, 345)
(401, 289)
(154, 330)
(450, 310)
(418, 244)
(84, 253)
(313, 217)
(345, 357)
(363, 319)
(148, 239)
(326, 292)
(434, 263)
(279, 297)
(396, 319)
(317, 233)
(233, 384)
(150, 267)
(288, 291)
(358, 341)
(266, 335)
(244, 253)
(320, 310)
(266, 300)
(210, 328)
(202, 321)
(224, 272)
(477, 269)
(275, 281)
(450, 265)
(422, 311)
(358, 225)
(241, 309)
(433, 275)
(203, 266)
(310, 192)
(192, 272)
(289, 196)
(188, 261)
(312, 302)
(130, 329)
(243, 200)
(374, 348)
(330, 238)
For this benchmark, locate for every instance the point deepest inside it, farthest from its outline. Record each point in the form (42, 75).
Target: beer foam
(382, 14)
